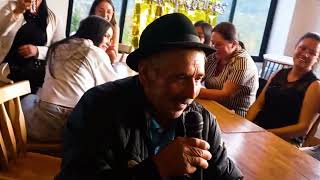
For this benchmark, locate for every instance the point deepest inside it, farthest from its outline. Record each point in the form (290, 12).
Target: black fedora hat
(167, 32)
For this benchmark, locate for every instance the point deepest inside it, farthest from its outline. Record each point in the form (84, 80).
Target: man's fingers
(199, 143)
(197, 152)
(199, 162)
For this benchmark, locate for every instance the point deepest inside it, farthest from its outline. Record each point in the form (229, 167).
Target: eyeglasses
(306, 49)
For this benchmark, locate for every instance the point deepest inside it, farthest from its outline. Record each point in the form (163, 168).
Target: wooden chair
(53, 149)
(273, 63)
(124, 50)
(16, 162)
(4, 71)
(311, 140)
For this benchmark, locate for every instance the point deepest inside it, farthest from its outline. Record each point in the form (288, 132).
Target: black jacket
(107, 133)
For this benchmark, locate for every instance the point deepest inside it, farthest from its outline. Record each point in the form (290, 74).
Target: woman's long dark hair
(227, 30)
(96, 3)
(93, 28)
(43, 13)
(207, 29)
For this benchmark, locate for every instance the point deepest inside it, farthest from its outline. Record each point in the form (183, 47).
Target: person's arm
(100, 66)
(258, 103)
(229, 89)
(112, 51)
(11, 17)
(220, 166)
(55, 31)
(240, 72)
(308, 114)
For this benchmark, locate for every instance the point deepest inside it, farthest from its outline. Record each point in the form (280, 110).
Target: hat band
(180, 39)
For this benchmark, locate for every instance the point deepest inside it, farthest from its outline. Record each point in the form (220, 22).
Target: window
(227, 13)
(253, 21)
(81, 8)
(127, 35)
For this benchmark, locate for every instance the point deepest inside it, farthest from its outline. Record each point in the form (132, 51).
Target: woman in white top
(27, 28)
(75, 65)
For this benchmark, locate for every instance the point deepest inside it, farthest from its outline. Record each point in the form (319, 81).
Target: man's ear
(146, 71)
(143, 71)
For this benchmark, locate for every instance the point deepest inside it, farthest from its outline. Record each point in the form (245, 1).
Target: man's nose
(192, 89)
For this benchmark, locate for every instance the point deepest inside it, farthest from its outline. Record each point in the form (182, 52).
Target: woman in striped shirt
(231, 74)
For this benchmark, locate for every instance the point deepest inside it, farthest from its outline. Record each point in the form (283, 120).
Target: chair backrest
(310, 139)
(123, 48)
(273, 63)
(4, 71)
(13, 135)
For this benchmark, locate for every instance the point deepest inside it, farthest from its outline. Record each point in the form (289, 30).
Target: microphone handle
(198, 174)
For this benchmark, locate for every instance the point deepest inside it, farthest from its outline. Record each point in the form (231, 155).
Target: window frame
(121, 21)
(267, 29)
(265, 38)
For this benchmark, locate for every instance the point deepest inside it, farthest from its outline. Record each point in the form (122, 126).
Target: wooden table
(264, 156)
(260, 154)
(229, 122)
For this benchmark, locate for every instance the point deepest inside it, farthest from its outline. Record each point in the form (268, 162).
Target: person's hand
(28, 51)
(182, 156)
(111, 47)
(22, 6)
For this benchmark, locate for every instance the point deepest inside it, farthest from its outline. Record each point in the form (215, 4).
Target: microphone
(194, 127)
(194, 124)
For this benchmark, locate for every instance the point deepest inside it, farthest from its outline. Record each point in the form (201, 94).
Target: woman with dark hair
(27, 28)
(204, 30)
(75, 65)
(289, 103)
(105, 9)
(231, 74)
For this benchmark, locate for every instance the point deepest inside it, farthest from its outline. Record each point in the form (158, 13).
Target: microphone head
(194, 124)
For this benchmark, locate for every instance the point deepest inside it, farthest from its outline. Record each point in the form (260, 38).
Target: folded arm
(229, 89)
(308, 114)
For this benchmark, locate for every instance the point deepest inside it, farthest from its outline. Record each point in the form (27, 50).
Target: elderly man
(135, 128)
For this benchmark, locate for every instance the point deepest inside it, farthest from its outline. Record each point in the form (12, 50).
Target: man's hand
(182, 156)
(22, 6)
(28, 51)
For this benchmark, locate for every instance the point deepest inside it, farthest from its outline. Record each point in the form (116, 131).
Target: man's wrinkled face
(172, 80)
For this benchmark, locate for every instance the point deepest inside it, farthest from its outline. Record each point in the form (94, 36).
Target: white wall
(293, 18)
(60, 8)
(281, 27)
(305, 18)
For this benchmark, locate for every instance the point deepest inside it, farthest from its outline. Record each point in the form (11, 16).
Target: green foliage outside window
(76, 18)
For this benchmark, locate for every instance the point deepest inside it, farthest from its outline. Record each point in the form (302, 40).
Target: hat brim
(135, 56)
